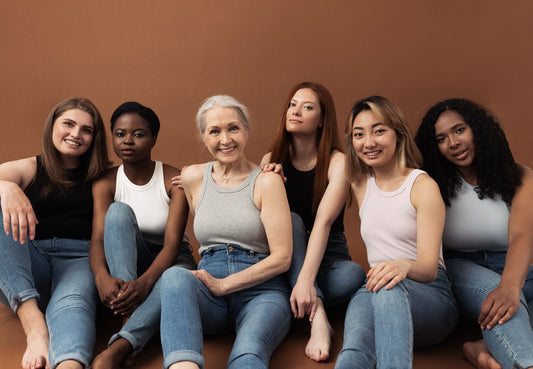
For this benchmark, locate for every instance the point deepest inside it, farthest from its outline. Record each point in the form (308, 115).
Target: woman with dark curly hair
(488, 233)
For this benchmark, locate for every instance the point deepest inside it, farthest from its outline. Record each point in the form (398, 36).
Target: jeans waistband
(227, 248)
(475, 255)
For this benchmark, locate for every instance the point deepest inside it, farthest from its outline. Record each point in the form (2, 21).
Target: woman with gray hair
(242, 222)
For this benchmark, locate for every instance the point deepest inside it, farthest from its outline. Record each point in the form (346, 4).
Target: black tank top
(62, 214)
(299, 188)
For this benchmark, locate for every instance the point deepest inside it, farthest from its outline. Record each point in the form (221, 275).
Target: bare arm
(430, 214)
(303, 297)
(272, 201)
(501, 304)
(18, 215)
(103, 192)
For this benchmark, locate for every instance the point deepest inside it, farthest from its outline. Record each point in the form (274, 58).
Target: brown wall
(172, 54)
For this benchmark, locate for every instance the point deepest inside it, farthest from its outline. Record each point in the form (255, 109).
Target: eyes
(376, 132)
(213, 131)
(456, 132)
(122, 133)
(84, 129)
(308, 107)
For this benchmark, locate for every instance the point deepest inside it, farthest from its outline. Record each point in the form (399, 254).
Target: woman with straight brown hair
(309, 150)
(44, 244)
(406, 299)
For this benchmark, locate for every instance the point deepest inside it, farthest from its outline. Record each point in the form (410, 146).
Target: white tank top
(150, 202)
(476, 225)
(388, 222)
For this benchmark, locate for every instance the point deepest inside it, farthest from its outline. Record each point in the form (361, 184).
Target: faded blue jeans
(474, 276)
(57, 271)
(338, 277)
(382, 327)
(259, 315)
(127, 254)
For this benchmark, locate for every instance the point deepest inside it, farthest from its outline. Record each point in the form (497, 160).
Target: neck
(231, 169)
(469, 175)
(70, 162)
(139, 172)
(303, 151)
(388, 176)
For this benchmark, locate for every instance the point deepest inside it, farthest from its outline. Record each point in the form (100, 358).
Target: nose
(127, 140)
(369, 141)
(453, 141)
(295, 110)
(224, 137)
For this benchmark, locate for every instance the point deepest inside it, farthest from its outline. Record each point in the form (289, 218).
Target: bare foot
(36, 354)
(114, 356)
(478, 354)
(319, 343)
(37, 339)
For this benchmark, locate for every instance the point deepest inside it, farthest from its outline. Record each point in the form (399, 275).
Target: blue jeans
(382, 327)
(260, 315)
(474, 276)
(56, 270)
(128, 254)
(338, 277)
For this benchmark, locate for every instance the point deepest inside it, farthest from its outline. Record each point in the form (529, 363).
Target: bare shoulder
(107, 179)
(169, 171)
(359, 190)
(527, 178)
(337, 164)
(21, 171)
(425, 190)
(191, 174)
(269, 181)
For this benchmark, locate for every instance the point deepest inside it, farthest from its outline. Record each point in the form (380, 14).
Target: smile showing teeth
(461, 155)
(73, 143)
(372, 153)
(227, 151)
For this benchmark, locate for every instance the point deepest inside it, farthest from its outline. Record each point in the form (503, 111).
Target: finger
(508, 315)
(7, 223)
(32, 224)
(301, 311)
(23, 228)
(15, 226)
(313, 312)
(294, 307)
(486, 307)
(495, 317)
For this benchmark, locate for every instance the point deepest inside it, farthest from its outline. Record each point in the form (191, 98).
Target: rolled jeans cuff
(184, 355)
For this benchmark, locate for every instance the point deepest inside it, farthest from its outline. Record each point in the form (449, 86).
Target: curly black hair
(496, 170)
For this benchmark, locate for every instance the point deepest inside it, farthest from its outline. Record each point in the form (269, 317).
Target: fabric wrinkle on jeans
(259, 315)
(128, 255)
(381, 328)
(474, 276)
(338, 277)
(61, 267)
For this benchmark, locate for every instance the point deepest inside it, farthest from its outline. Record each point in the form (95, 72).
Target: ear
(154, 140)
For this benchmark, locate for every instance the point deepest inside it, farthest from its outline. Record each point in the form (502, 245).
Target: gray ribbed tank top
(229, 215)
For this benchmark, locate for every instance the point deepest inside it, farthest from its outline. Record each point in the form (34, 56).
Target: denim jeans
(127, 254)
(338, 277)
(474, 276)
(259, 315)
(56, 270)
(382, 327)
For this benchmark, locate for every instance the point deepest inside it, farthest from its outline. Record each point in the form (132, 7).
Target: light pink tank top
(388, 222)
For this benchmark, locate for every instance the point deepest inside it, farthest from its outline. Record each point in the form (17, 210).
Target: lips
(127, 152)
(460, 156)
(372, 154)
(227, 150)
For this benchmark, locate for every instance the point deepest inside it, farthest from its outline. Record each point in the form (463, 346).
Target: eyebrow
(453, 128)
(373, 126)
(304, 102)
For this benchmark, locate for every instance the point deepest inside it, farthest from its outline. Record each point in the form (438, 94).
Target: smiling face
(225, 136)
(455, 140)
(374, 142)
(132, 138)
(72, 135)
(303, 113)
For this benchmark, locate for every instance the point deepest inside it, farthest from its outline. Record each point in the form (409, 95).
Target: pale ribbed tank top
(388, 222)
(150, 203)
(229, 215)
(476, 225)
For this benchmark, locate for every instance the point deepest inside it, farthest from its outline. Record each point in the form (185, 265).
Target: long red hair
(327, 137)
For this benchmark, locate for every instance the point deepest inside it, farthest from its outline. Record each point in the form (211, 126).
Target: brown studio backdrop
(170, 55)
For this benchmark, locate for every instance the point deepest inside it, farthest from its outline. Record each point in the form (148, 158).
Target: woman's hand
(130, 296)
(303, 300)
(214, 285)
(499, 306)
(108, 288)
(274, 167)
(17, 212)
(387, 273)
(176, 181)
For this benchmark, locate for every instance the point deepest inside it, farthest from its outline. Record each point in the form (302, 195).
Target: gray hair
(223, 101)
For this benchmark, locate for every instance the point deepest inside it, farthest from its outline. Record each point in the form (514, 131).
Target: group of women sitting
(446, 219)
